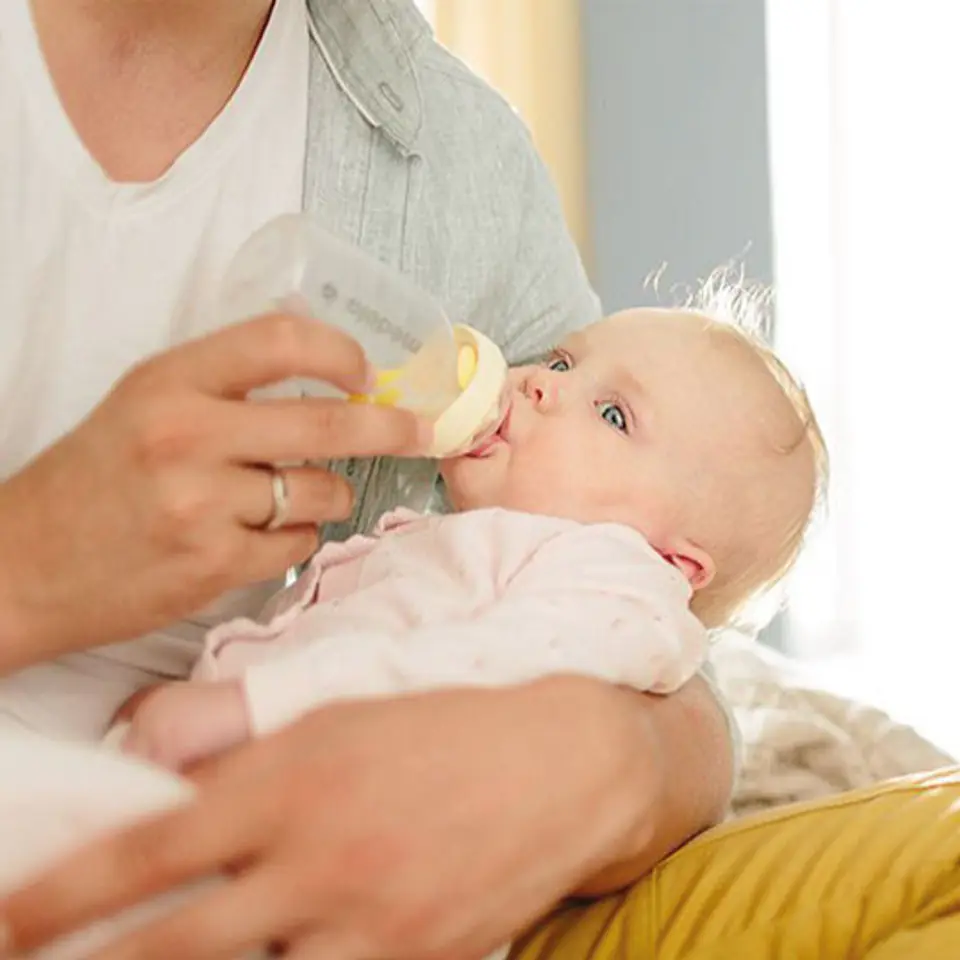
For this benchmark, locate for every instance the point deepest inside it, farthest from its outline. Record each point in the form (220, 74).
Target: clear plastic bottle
(453, 375)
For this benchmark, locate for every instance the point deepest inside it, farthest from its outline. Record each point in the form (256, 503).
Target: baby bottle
(450, 374)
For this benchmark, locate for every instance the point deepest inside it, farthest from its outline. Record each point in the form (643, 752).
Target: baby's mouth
(493, 439)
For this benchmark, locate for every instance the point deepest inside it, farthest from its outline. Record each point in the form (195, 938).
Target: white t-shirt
(95, 275)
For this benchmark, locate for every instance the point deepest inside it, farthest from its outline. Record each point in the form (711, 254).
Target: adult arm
(442, 823)
(685, 748)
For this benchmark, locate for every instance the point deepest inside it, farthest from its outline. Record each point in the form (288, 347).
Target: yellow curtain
(530, 51)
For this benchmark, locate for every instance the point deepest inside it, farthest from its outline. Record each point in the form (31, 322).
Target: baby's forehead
(687, 359)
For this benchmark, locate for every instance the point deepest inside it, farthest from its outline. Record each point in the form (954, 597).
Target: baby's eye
(559, 364)
(614, 415)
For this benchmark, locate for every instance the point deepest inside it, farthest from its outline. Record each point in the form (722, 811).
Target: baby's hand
(179, 724)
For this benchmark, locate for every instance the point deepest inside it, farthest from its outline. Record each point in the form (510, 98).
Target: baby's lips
(496, 433)
(483, 447)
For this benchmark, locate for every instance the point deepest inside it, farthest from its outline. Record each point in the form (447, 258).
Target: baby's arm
(177, 724)
(595, 601)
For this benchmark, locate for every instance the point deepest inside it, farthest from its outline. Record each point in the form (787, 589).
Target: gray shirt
(424, 166)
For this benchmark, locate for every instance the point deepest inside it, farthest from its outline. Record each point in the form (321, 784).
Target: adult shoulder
(484, 196)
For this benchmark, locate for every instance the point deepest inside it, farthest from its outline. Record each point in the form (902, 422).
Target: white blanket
(800, 742)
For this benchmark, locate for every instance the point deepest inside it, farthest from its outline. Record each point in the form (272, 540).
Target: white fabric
(799, 741)
(68, 330)
(57, 797)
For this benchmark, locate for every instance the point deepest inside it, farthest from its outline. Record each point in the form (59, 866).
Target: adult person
(141, 141)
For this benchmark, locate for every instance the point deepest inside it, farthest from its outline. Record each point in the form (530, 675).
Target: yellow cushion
(874, 873)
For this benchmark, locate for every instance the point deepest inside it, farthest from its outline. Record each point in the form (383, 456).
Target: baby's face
(639, 419)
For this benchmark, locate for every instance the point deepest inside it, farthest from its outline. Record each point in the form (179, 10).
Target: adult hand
(155, 504)
(435, 825)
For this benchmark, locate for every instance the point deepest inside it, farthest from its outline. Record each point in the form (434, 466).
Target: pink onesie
(482, 598)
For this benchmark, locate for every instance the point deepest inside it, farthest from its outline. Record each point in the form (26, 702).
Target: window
(864, 161)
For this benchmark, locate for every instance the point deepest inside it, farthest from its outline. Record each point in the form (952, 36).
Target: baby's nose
(542, 388)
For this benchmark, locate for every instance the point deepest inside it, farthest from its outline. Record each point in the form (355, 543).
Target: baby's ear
(693, 562)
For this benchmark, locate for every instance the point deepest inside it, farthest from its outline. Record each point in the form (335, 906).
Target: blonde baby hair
(733, 307)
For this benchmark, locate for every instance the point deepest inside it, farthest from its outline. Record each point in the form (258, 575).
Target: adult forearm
(681, 763)
(33, 626)
(16, 648)
(19, 644)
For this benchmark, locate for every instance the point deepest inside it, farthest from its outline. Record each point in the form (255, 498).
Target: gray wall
(677, 141)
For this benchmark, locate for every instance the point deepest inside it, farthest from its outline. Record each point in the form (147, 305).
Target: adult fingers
(313, 496)
(237, 917)
(237, 359)
(327, 944)
(270, 555)
(314, 428)
(127, 868)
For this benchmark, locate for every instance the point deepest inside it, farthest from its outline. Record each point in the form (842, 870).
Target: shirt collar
(369, 47)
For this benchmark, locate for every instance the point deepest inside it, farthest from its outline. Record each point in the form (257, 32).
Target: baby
(651, 476)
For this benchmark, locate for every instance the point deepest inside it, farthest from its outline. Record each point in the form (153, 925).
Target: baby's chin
(459, 483)
(472, 483)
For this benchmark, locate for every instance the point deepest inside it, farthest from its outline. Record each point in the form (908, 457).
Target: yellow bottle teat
(481, 376)
(466, 364)
(386, 395)
(383, 394)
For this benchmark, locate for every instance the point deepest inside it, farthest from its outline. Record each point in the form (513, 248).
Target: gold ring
(280, 507)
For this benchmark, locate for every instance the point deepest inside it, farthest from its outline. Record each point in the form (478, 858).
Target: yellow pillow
(873, 873)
